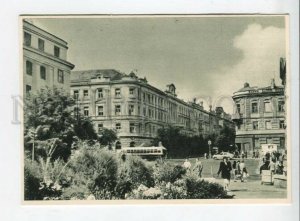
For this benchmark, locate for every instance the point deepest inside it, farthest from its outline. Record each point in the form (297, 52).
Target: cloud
(261, 50)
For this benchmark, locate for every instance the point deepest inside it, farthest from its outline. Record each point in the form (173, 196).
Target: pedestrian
(279, 167)
(241, 169)
(187, 165)
(225, 169)
(272, 166)
(198, 167)
(265, 166)
(234, 170)
(205, 155)
(243, 155)
(244, 175)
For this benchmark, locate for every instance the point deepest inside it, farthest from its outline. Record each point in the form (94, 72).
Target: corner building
(135, 109)
(260, 117)
(45, 60)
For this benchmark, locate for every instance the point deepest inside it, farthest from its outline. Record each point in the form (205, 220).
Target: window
(28, 68)
(238, 108)
(43, 72)
(144, 111)
(254, 108)
(60, 76)
(76, 94)
(281, 124)
(27, 39)
(100, 93)
(117, 109)
(256, 143)
(255, 125)
(100, 127)
(118, 126)
(86, 111)
(131, 109)
(85, 93)
(56, 51)
(139, 110)
(117, 92)
(131, 90)
(281, 106)
(267, 106)
(131, 128)
(269, 140)
(268, 125)
(100, 111)
(144, 97)
(282, 142)
(28, 88)
(41, 44)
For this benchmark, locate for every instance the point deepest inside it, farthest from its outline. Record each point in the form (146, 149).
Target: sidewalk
(254, 190)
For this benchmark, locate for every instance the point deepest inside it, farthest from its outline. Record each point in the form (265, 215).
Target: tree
(49, 114)
(179, 144)
(107, 137)
(225, 140)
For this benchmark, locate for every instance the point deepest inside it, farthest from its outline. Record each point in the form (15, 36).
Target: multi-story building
(260, 117)
(45, 60)
(135, 109)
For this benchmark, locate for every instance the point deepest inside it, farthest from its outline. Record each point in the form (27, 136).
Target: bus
(144, 151)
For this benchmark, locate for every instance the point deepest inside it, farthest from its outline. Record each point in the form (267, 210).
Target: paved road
(252, 189)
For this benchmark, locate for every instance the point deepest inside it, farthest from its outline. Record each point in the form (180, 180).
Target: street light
(209, 149)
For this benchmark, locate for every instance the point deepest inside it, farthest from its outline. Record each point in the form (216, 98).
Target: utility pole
(209, 149)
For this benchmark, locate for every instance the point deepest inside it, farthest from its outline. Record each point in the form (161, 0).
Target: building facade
(45, 60)
(260, 117)
(135, 109)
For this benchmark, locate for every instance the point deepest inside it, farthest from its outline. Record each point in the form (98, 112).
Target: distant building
(260, 117)
(45, 60)
(136, 109)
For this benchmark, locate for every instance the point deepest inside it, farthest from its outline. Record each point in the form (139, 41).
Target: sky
(207, 58)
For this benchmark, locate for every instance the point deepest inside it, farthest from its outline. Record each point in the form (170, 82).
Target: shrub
(76, 192)
(97, 169)
(139, 172)
(176, 190)
(200, 189)
(32, 179)
(165, 172)
(133, 172)
(143, 192)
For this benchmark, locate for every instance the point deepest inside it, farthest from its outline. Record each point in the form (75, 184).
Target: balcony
(236, 117)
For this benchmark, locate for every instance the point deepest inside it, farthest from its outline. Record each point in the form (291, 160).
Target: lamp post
(209, 149)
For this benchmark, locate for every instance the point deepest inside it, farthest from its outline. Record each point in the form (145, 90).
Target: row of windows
(267, 107)
(268, 125)
(117, 93)
(43, 72)
(41, 44)
(269, 140)
(118, 127)
(131, 111)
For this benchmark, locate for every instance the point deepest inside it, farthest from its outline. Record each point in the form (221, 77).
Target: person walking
(187, 165)
(224, 169)
(241, 169)
(198, 167)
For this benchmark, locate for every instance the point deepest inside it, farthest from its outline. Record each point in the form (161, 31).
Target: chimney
(246, 85)
(272, 83)
(201, 103)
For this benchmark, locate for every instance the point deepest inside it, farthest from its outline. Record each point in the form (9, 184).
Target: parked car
(222, 155)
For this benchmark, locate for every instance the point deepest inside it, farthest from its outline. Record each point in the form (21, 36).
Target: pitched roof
(86, 75)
